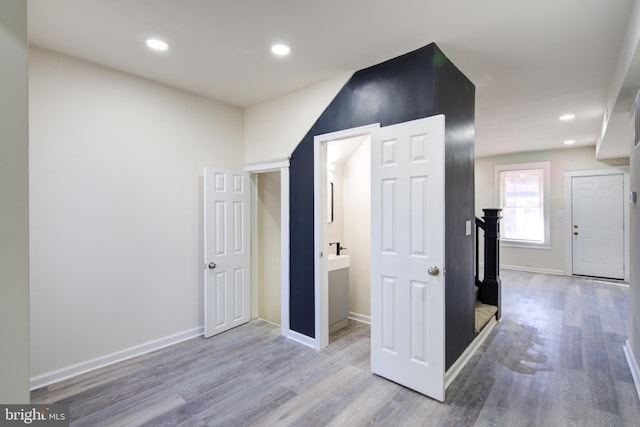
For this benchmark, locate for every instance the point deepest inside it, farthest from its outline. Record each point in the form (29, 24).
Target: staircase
(488, 290)
(484, 313)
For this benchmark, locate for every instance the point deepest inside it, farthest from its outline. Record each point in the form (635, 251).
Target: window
(523, 196)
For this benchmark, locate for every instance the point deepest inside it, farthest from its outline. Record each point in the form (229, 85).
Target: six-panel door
(407, 243)
(227, 253)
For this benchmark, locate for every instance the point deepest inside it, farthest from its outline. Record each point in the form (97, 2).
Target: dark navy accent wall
(419, 84)
(455, 97)
(393, 92)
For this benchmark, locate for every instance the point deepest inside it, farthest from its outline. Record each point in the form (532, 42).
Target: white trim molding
(471, 349)
(633, 365)
(321, 276)
(568, 232)
(42, 380)
(362, 318)
(531, 269)
(301, 338)
(284, 249)
(267, 166)
(255, 245)
(545, 167)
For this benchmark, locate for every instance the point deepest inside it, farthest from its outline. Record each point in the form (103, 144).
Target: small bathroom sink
(336, 262)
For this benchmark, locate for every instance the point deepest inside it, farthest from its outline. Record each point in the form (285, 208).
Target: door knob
(575, 233)
(212, 265)
(433, 271)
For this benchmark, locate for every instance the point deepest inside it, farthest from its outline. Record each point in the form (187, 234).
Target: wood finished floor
(555, 359)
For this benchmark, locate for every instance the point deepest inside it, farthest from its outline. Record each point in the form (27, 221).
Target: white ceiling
(531, 61)
(340, 150)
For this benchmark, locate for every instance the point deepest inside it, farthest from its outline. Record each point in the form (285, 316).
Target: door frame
(282, 166)
(321, 274)
(568, 231)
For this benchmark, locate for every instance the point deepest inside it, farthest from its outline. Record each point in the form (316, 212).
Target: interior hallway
(555, 358)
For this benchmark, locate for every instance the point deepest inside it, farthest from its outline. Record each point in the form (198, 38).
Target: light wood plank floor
(555, 359)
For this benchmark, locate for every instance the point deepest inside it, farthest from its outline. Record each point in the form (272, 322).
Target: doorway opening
(342, 229)
(268, 242)
(407, 250)
(349, 230)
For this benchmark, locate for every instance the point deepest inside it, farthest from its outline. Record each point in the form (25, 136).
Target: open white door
(597, 210)
(407, 255)
(227, 250)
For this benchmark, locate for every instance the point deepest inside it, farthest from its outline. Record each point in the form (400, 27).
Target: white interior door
(227, 251)
(597, 209)
(407, 255)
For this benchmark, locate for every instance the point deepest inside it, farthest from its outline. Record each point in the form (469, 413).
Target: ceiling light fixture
(567, 117)
(570, 141)
(157, 44)
(280, 49)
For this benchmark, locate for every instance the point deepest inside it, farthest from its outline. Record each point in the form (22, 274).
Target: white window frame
(546, 200)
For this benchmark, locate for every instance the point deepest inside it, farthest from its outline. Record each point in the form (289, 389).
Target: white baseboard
(633, 365)
(109, 359)
(338, 325)
(302, 339)
(464, 358)
(362, 318)
(532, 269)
(267, 321)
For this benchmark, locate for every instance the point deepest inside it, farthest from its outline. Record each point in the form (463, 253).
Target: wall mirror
(330, 203)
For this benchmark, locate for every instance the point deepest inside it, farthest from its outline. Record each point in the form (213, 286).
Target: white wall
(356, 193)
(274, 128)
(269, 246)
(551, 260)
(335, 229)
(14, 231)
(115, 192)
(352, 224)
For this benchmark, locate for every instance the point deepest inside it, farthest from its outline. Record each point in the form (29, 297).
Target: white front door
(597, 205)
(407, 255)
(227, 251)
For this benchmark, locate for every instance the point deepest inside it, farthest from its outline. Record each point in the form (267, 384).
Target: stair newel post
(479, 226)
(490, 291)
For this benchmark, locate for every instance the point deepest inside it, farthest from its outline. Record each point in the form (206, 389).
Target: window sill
(524, 245)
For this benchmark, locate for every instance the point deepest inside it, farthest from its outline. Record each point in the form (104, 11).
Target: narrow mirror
(330, 203)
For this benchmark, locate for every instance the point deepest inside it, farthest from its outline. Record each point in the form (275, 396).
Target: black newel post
(490, 290)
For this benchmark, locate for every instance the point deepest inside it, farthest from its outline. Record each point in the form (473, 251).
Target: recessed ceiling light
(157, 44)
(280, 49)
(570, 141)
(566, 117)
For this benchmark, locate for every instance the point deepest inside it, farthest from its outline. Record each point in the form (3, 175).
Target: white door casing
(598, 225)
(407, 239)
(277, 165)
(227, 250)
(321, 280)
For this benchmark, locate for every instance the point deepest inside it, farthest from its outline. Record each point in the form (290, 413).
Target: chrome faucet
(338, 247)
